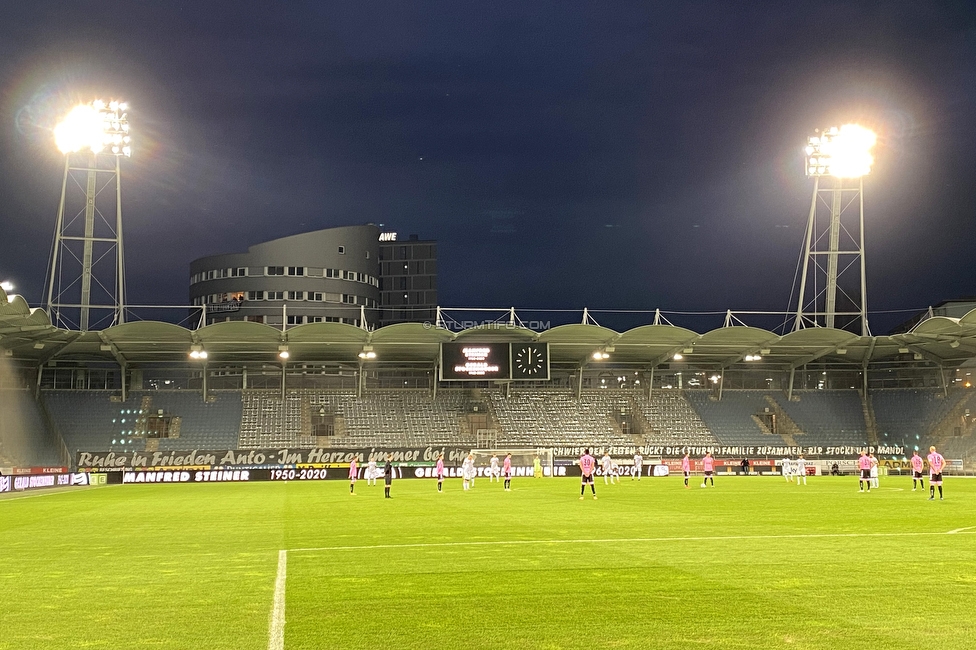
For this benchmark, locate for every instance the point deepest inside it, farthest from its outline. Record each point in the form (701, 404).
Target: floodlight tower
(837, 159)
(93, 138)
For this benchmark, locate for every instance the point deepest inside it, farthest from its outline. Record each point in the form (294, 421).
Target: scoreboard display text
(494, 361)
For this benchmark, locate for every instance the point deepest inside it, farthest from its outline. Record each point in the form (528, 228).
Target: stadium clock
(530, 361)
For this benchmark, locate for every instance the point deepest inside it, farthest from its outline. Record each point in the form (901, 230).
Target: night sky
(626, 155)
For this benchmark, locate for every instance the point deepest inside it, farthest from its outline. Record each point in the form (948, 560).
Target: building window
(254, 319)
(342, 250)
(296, 295)
(275, 295)
(255, 295)
(317, 297)
(276, 270)
(349, 299)
(333, 273)
(239, 272)
(296, 320)
(403, 283)
(296, 270)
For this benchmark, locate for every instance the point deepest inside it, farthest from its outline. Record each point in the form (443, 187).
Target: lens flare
(82, 128)
(95, 127)
(843, 152)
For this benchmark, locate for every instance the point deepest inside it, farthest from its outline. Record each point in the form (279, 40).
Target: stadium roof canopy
(28, 334)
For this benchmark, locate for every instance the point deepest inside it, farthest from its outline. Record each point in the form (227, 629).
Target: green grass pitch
(753, 562)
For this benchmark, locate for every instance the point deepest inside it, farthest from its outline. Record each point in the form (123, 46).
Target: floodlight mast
(93, 138)
(837, 159)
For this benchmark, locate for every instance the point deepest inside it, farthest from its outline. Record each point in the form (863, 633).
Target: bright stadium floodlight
(7, 286)
(841, 152)
(837, 159)
(94, 138)
(95, 127)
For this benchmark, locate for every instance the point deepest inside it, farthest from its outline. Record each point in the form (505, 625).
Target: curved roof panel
(497, 332)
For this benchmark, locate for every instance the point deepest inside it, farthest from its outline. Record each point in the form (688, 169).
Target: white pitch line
(618, 540)
(276, 628)
(960, 530)
(54, 492)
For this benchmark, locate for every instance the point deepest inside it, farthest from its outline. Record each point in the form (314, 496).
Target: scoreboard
(494, 361)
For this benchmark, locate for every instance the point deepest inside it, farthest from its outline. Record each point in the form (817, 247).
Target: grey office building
(332, 275)
(408, 279)
(329, 275)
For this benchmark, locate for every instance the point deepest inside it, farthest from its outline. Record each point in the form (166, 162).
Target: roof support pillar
(789, 391)
(721, 384)
(864, 365)
(284, 373)
(244, 377)
(123, 368)
(203, 383)
(650, 384)
(37, 385)
(433, 381)
(579, 382)
(359, 381)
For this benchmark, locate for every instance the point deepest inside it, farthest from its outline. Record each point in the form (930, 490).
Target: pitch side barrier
(228, 465)
(34, 482)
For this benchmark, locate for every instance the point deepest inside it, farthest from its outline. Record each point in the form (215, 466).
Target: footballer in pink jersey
(439, 472)
(686, 469)
(507, 472)
(864, 464)
(353, 473)
(936, 464)
(708, 465)
(917, 466)
(587, 466)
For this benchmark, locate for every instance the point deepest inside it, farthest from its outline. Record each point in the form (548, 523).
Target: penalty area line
(630, 540)
(276, 625)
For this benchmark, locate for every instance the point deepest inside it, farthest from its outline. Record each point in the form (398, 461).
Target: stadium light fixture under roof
(841, 152)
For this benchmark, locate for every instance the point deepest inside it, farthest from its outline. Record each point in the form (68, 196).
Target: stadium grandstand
(149, 385)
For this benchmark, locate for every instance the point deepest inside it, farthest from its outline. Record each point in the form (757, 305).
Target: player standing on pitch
(686, 469)
(493, 469)
(587, 466)
(606, 464)
(353, 471)
(468, 472)
(864, 464)
(507, 472)
(372, 472)
(638, 466)
(388, 475)
(936, 464)
(536, 467)
(917, 466)
(439, 472)
(787, 470)
(708, 465)
(874, 470)
(801, 469)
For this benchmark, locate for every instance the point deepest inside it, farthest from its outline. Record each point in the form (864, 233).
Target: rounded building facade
(329, 275)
